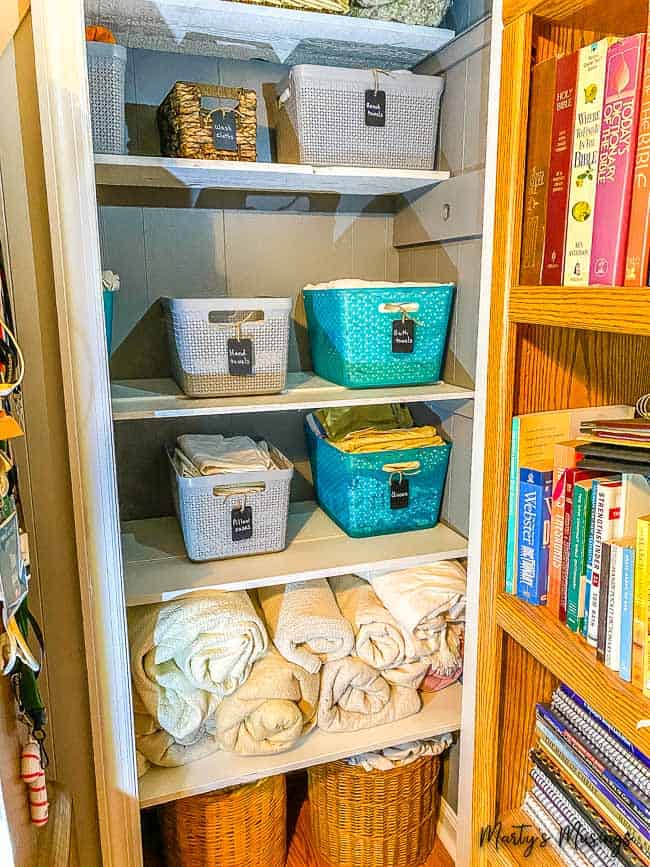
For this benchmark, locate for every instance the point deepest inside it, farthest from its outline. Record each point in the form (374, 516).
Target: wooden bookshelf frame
(549, 348)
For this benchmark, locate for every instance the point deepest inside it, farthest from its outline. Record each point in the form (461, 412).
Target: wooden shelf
(162, 398)
(440, 713)
(219, 28)
(507, 855)
(573, 661)
(614, 309)
(171, 173)
(157, 568)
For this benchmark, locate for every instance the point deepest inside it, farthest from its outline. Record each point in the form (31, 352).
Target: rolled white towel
(401, 754)
(305, 623)
(379, 638)
(408, 673)
(424, 598)
(269, 712)
(187, 654)
(355, 696)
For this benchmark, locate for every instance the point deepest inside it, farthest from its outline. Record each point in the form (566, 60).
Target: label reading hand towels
(240, 357)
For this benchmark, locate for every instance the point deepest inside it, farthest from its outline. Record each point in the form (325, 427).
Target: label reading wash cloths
(224, 130)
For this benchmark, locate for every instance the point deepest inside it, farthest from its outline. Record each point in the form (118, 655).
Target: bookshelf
(551, 347)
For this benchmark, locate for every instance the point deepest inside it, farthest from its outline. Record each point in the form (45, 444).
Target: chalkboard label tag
(399, 493)
(224, 131)
(242, 524)
(240, 356)
(375, 108)
(403, 335)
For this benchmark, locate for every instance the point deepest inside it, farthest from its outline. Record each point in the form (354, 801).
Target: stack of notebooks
(590, 792)
(587, 193)
(579, 528)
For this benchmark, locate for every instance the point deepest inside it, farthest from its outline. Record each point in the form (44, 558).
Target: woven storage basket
(199, 329)
(355, 489)
(205, 506)
(338, 7)
(240, 827)
(351, 330)
(374, 818)
(187, 127)
(106, 76)
(322, 121)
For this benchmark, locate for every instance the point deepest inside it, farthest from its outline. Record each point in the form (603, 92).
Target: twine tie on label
(391, 307)
(376, 73)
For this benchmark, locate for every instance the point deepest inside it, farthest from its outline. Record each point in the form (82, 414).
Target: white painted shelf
(156, 566)
(115, 170)
(440, 714)
(162, 398)
(243, 31)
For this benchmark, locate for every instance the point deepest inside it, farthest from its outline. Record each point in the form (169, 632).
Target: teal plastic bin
(352, 330)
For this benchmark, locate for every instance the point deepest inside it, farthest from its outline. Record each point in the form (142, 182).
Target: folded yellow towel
(371, 440)
(339, 421)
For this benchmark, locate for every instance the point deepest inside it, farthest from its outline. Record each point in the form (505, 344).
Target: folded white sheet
(305, 623)
(378, 636)
(187, 654)
(355, 696)
(401, 754)
(269, 712)
(214, 453)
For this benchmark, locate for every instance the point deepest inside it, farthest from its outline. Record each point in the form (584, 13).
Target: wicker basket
(187, 127)
(337, 7)
(240, 827)
(374, 818)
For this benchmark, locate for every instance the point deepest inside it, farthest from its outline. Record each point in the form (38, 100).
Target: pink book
(618, 136)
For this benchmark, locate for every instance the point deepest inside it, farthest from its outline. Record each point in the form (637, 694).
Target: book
(535, 490)
(618, 136)
(641, 628)
(533, 437)
(603, 604)
(637, 256)
(577, 561)
(627, 613)
(589, 559)
(565, 457)
(635, 501)
(538, 154)
(584, 167)
(615, 603)
(559, 169)
(606, 515)
(573, 476)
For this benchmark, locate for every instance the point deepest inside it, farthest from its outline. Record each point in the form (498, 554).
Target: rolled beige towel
(355, 696)
(379, 638)
(305, 623)
(408, 673)
(269, 712)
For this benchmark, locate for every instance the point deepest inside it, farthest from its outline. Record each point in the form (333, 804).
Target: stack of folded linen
(214, 454)
(364, 429)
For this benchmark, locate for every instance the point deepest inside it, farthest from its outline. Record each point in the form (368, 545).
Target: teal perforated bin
(351, 332)
(355, 489)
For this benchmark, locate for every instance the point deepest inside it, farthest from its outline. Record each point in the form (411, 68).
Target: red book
(560, 169)
(572, 475)
(618, 137)
(638, 244)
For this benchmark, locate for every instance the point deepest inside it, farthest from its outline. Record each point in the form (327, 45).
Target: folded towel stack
(363, 429)
(209, 455)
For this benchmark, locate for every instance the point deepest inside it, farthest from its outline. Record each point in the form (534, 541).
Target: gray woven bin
(204, 508)
(199, 330)
(321, 118)
(106, 77)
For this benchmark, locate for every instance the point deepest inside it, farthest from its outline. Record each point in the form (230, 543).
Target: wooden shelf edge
(617, 309)
(573, 661)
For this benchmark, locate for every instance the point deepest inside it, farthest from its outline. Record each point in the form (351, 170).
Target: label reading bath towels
(399, 493)
(375, 108)
(242, 524)
(240, 356)
(403, 335)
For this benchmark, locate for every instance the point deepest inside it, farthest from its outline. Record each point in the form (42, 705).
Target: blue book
(534, 534)
(627, 614)
(590, 557)
(513, 510)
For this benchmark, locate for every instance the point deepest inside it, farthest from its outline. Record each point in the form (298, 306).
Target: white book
(606, 526)
(614, 602)
(635, 502)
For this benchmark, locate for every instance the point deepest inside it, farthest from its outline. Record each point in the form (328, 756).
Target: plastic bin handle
(409, 467)
(227, 491)
(399, 307)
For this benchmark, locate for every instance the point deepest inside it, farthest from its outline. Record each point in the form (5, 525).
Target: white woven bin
(321, 118)
(204, 506)
(106, 76)
(199, 330)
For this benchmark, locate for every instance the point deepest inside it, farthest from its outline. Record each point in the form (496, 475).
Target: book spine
(566, 545)
(613, 641)
(534, 532)
(638, 244)
(607, 513)
(618, 135)
(559, 169)
(641, 628)
(577, 553)
(586, 149)
(603, 597)
(513, 510)
(537, 164)
(627, 613)
(557, 528)
(589, 558)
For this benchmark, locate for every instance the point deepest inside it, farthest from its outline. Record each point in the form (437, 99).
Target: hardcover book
(627, 613)
(606, 515)
(603, 604)
(641, 628)
(565, 457)
(618, 135)
(559, 169)
(638, 243)
(573, 476)
(534, 534)
(538, 155)
(584, 168)
(580, 519)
